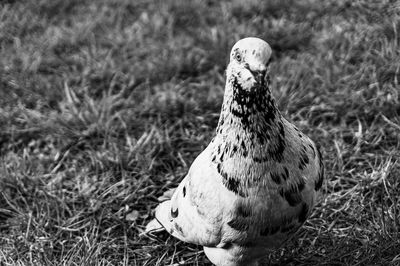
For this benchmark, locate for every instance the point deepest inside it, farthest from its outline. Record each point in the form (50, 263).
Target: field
(105, 103)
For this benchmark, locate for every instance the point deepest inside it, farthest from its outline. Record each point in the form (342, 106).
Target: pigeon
(257, 181)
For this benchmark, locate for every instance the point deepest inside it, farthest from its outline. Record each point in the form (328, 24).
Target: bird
(257, 181)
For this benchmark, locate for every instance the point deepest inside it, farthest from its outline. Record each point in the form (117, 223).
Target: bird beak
(259, 75)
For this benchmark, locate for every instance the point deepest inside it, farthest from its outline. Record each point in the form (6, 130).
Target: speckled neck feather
(254, 111)
(250, 130)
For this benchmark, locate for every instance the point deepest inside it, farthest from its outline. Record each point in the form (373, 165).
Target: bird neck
(250, 112)
(250, 132)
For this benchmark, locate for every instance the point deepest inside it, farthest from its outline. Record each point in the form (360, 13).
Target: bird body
(256, 182)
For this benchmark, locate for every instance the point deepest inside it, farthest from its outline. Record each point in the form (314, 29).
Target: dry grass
(104, 105)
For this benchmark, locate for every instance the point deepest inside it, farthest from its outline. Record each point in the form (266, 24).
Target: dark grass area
(104, 105)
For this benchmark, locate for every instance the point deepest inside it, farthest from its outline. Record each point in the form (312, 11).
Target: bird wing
(204, 211)
(196, 211)
(283, 198)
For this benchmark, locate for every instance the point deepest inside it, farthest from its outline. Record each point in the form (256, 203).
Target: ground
(104, 104)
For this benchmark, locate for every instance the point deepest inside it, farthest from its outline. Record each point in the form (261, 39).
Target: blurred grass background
(105, 103)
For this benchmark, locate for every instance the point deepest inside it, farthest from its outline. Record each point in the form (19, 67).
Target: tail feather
(167, 195)
(154, 226)
(163, 216)
(161, 221)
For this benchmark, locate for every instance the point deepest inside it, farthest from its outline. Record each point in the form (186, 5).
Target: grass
(104, 105)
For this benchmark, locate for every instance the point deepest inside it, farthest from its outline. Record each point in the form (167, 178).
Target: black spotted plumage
(243, 149)
(312, 149)
(320, 180)
(277, 148)
(261, 159)
(252, 105)
(221, 121)
(275, 177)
(230, 183)
(280, 176)
(321, 172)
(234, 150)
(179, 229)
(221, 156)
(303, 212)
(303, 162)
(292, 194)
(243, 211)
(255, 183)
(174, 213)
(285, 173)
(234, 185)
(239, 224)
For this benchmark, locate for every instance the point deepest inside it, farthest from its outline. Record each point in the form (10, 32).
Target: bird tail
(161, 220)
(154, 226)
(163, 216)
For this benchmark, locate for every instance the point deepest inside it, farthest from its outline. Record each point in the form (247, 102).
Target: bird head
(249, 60)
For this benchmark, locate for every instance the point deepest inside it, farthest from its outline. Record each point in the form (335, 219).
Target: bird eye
(238, 57)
